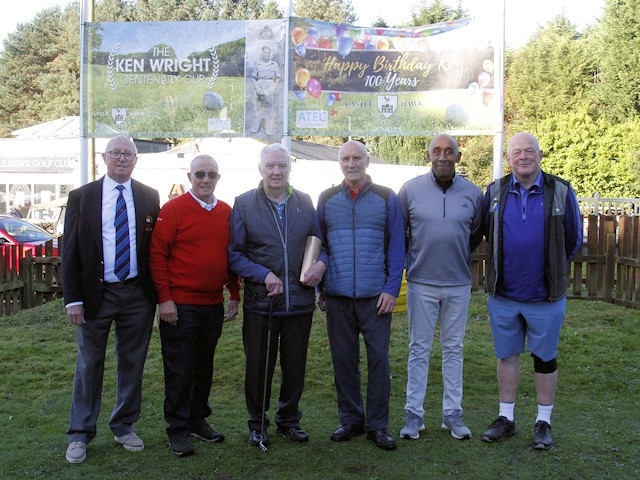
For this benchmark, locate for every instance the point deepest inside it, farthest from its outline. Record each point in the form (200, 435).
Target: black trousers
(187, 355)
(291, 334)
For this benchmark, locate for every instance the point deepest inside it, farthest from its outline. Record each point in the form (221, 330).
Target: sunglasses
(211, 175)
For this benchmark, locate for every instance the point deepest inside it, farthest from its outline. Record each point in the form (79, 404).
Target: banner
(375, 82)
(184, 79)
(227, 78)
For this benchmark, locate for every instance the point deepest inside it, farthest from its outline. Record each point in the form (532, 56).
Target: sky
(521, 18)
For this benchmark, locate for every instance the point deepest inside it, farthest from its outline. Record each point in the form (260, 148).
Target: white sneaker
(130, 442)
(76, 452)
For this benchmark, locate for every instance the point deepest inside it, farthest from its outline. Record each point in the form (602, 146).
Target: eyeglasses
(211, 175)
(115, 155)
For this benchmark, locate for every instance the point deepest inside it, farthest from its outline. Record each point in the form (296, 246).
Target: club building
(41, 164)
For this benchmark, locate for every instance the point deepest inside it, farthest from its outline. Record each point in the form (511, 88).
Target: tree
(618, 61)
(337, 11)
(436, 11)
(550, 75)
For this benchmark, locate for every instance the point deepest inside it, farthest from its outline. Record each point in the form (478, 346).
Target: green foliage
(616, 53)
(477, 159)
(337, 11)
(436, 11)
(549, 75)
(595, 418)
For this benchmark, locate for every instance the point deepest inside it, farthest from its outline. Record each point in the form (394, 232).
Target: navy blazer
(82, 255)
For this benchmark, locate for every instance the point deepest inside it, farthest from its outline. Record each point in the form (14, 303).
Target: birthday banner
(227, 78)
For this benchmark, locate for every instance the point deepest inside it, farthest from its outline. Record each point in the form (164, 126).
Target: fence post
(609, 268)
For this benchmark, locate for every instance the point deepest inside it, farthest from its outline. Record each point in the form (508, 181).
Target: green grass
(596, 417)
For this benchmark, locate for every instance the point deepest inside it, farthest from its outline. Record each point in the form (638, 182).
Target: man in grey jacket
(443, 223)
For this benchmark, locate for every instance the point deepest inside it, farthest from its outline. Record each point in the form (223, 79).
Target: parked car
(49, 215)
(18, 231)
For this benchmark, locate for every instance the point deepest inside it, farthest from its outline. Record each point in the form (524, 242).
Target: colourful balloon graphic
(382, 44)
(298, 34)
(345, 44)
(325, 42)
(314, 88)
(358, 44)
(310, 41)
(331, 98)
(302, 77)
(313, 31)
(488, 65)
(301, 50)
(338, 96)
(483, 79)
(473, 88)
(369, 46)
(300, 94)
(340, 29)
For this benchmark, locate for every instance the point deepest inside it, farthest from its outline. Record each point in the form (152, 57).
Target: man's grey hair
(118, 137)
(271, 148)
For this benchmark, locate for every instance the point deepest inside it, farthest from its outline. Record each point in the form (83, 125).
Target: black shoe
(206, 433)
(499, 429)
(294, 434)
(542, 438)
(382, 439)
(181, 445)
(346, 432)
(256, 438)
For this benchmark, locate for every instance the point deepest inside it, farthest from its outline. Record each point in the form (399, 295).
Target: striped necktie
(121, 265)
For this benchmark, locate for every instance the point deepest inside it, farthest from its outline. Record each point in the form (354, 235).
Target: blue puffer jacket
(364, 240)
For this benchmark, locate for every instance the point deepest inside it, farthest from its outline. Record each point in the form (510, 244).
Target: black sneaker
(542, 438)
(206, 433)
(295, 434)
(256, 438)
(181, 445)
(499, 429)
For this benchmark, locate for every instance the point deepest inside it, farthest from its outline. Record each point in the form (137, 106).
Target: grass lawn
(596, 419)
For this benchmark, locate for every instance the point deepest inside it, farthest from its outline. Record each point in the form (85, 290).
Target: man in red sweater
(189, 267)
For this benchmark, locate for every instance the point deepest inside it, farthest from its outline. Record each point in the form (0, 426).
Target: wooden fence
(28, 279)
(607, 268)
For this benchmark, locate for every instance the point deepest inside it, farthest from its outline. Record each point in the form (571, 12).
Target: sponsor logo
(387, 105)
(119, 115)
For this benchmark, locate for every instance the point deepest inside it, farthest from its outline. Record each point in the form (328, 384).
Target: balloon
(483, 79)
(331, 98)
(310, 42)
(340, 29)
(334, 112)
(325, 42)
(301, 50)
(297, 35)
(365, 36)
(302, 77)
(338, 96)
(369, 46)
(488, 65)
(314, 88)
(212, 101)
(473, 88)
(487, 98)
(313, 31)
(382, 44)
(300, 94)
(345, 44)
(379, 31)
(358, 44)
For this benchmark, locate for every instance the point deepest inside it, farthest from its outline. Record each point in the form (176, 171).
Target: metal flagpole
(286, 138)
(498, 137)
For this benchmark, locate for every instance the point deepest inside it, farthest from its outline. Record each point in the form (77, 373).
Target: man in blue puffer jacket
(363, 231)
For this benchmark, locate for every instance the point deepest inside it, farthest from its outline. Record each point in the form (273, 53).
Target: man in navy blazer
(97, 294)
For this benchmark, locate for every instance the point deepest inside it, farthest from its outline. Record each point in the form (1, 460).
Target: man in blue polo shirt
(533, 226)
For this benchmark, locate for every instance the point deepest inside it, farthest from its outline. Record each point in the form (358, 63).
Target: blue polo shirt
(523, 237)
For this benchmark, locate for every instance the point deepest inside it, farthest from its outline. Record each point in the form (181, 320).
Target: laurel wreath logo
(215, 66)
(110, 76)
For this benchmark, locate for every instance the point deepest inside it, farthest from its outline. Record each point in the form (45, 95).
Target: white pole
(286, 138)
(84, 146)
(499, 93)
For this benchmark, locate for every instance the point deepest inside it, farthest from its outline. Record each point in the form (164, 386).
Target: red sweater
(188, 257)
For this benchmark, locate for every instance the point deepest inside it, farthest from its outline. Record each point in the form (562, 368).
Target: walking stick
(263, 447)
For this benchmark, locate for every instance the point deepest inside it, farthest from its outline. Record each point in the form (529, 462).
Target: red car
(16, 231)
